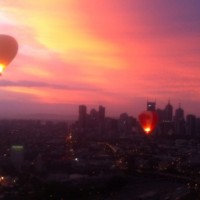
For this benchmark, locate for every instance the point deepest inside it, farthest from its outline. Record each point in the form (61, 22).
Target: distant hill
(41, 116)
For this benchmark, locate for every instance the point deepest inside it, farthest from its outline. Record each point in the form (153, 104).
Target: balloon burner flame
(2, 67)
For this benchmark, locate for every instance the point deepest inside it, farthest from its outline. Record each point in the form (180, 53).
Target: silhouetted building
(93, 118)
(168, 112)
(101, 120)
(166, 125)
(179, 122)
(82, 116)
(191, 125)
(197, 127)
(166, 128)
(151, 106)
(111, 127)
(161, 114)
(125, 124)
(179, 114)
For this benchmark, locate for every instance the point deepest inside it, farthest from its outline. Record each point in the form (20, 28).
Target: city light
(17, 147)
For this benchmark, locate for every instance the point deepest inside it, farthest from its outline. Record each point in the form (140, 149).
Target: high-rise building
(101, 120)
(82, 116)
(161, 114)
(179, 121)
(179, 114)
(151, 106)
(94, 115)
(93, 118)
(191, 125)
(166, 125)
(124, 124)
(168, 112)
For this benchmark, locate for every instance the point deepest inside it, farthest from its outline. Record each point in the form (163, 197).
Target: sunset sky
(117, 53)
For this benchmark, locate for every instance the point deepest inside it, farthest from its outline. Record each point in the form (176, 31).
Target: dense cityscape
(98, 157)
(59, 58)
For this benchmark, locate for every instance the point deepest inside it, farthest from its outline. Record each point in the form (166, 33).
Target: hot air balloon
(148, 120)
(8, 50)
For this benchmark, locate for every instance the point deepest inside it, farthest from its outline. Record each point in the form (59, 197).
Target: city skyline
(112, 53)
(168, 111)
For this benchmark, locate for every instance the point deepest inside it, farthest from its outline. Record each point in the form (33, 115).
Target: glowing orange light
(147, 130)
(2, 67)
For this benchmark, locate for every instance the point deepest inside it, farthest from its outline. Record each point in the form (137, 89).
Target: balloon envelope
(8, 50)
(148, 121)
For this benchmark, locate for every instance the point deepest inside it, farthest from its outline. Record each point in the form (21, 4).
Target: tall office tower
(179, 114)
(166, 125)
(191, 125)
(151, 106)
(168, 112)
(82, 116)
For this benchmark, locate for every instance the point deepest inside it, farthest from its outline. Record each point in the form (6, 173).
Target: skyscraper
(179, 121)
(191, 125)
(179, 114)
(101, 119)
(82, 116)
(151, 106)
(168, 112)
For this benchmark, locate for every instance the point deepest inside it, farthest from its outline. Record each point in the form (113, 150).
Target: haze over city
(115, 53)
